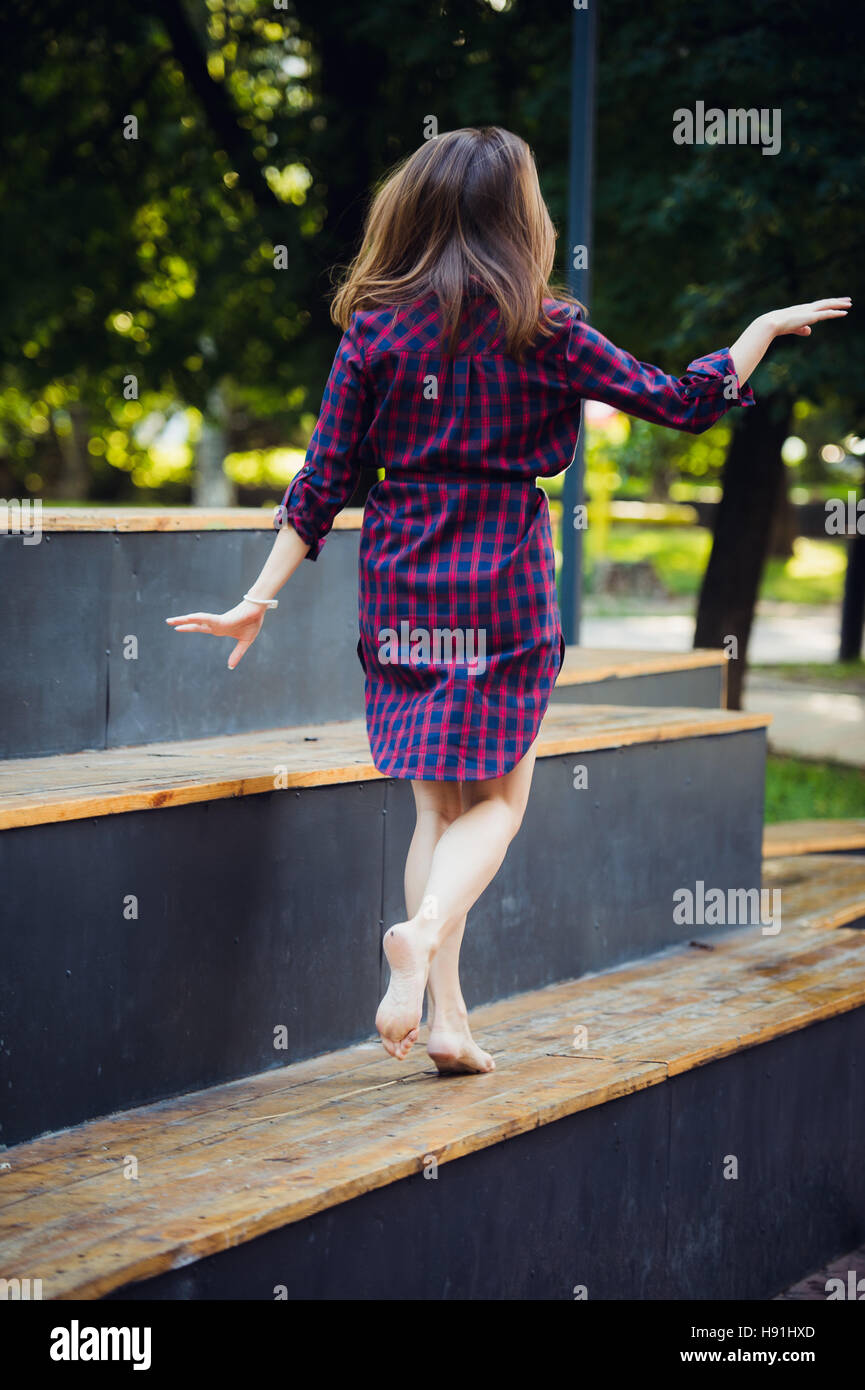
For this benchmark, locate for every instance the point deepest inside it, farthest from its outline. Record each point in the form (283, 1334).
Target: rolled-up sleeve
(599, 371)
(330, 471)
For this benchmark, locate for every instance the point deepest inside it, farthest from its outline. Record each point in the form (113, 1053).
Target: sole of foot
(399, 1013)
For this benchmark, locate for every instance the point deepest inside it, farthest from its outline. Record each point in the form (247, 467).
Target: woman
(462, 375)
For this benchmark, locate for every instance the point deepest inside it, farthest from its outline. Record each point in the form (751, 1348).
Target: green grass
(814, 574)
(797, 790)
(834, 675)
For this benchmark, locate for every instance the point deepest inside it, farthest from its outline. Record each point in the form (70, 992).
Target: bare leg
(465, 859)
(451, 1044)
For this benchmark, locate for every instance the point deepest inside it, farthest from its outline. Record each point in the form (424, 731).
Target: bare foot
(453, 1049)
(399, 1013)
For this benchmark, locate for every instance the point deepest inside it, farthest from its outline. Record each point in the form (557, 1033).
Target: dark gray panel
(700, 688)
(302, 669)
(71, 603)
(253, 913)
(529, 1219)
(615, 1198)
(53, 636)
(589, 880)
(791, 1113)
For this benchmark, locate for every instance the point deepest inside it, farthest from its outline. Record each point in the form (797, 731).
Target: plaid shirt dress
(460, 632)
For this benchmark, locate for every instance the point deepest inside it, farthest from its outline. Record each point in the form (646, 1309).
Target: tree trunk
(753, 473)
(853, 606)
(74, 481)
(785, 525)
(219, 111)
(212, 486)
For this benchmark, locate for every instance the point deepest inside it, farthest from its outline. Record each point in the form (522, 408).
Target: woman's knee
(440, 800)
(506, 811)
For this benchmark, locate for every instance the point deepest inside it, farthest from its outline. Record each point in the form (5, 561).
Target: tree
(179, 180)
(693, 241)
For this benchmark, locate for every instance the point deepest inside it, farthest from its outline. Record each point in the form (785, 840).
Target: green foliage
(814, 574)
(694, 241)
(257, 128)
(261, 127)
(797, 790)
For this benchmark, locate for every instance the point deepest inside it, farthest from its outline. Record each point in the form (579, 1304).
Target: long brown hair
(464, 208)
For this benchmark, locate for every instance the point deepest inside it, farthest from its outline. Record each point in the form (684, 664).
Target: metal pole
(581, 176)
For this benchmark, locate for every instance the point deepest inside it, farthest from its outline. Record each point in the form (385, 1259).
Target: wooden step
(161, 902)
(825, 889)
(221, 1168)
(814, 837)
(597, 675)
(119, 520)
(97, 666)
(89, 631)
(36, 791)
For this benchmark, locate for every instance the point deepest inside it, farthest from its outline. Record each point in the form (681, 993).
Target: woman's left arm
(331, 469)
(598, 370)
(750, 347)
(317, 492)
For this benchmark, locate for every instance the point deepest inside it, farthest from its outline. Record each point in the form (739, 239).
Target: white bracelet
(267, 602)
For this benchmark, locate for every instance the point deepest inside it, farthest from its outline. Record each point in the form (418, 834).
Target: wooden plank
(824, 888)
(813, 836)
(119, 519)
(224, 1165)
(73, 786)
(582, 665)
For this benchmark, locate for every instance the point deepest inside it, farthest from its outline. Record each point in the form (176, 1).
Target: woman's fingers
(796, 318)
(219, 625)
(192, 618)
(237, 654)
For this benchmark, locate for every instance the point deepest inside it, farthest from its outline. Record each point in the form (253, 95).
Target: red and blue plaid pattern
(457, 537)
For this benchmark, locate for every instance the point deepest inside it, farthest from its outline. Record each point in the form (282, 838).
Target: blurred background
(180, 180)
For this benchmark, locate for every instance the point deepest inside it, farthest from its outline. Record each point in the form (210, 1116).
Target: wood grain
(167, 519)
(813, 836)
(585, 664)
(72, 786)
(221, 1166)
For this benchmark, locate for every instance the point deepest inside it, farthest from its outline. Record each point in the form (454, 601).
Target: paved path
(808, 722)
(782, 632)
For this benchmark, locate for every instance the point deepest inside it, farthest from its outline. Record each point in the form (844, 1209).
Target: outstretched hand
(243, 623)
(799, 317)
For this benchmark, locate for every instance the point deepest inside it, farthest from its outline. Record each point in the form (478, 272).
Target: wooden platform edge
(17, 812)
(556, 1099)
(812, 837)
(159, 519)
(550, 1082)
(619, 664)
